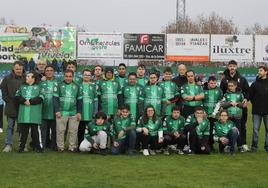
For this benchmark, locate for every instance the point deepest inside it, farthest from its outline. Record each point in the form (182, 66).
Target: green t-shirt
(152, 126)
(92, 129)
(191, 90)
(30, 113)
(171, 125)
(234, 111)
(203, 128)
(154, 95)
(89, 96)
(68, 95)
(108, 91)
(170, 91)
(122, 124)
(212, 97)
(142, 81)
(47, 90)
(133, 95)
(222, 129)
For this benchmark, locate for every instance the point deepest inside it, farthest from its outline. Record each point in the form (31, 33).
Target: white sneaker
(166, 152)
(180, 152)
(245, 147)
(152, 152)
(1, 130)
(8, 148)
(146, 152)
(186, 148)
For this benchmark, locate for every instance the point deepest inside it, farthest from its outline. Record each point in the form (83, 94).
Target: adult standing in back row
(10, 84)
(231, 73)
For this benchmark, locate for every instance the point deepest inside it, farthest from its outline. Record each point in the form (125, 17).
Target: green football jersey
(191, 90)
(30, 113)
(170, 91)
(154, 95)
(222, 129)
(47, 90)
(234, 111)
(203, 128)
(122, 124)
(68, 95)
(212, 97)
(171, 125)
(122, 81)
(133, 95)
(108, 91)
(152, 126)
(142, 81)
(92, 129)
(89, 96)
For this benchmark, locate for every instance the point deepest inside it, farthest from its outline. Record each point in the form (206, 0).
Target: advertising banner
(231, 47)
(144, 46)
(98, 45)
(261, 48)
(18, 42)
(187, 47)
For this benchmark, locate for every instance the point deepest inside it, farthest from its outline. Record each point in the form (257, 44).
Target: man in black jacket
(10, 84)
(180, 80)
(258, 93)
(231, 73)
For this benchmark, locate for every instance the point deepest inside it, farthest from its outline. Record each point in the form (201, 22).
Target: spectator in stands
(231, 73)
(258, 93)
(40, 68)
(10, 84)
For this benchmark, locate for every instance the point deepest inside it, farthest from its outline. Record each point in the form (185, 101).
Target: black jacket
(258, 95)
(180, 80)
(242, 83)
(9, 86)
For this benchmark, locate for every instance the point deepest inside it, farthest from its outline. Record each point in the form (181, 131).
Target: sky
(128, 15)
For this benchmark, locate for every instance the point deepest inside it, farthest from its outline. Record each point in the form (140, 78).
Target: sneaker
(166, 152)
(180, 152)
(60, 150)
(72, 150)
(246, 148)
(172, 147)
(241, 149)
(227, 149)
(146, 152)
(253, 150)
(1, 130)
(8, 148)
(186, 148)
(21, 150)
(103, 152)
(152, 152)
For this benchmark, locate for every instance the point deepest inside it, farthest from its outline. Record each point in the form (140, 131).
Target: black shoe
(102, 152)
(21, 150)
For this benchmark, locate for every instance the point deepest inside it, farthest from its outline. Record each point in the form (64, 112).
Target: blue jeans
(10, 130)
(256, 127)
(237, 123)
(232, 136)
(126, 143)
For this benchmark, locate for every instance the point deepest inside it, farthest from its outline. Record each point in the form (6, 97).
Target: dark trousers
(195, 142)
(1, 116)
(48, 134)
(148, 139)
(237, 122)
(243, 133)
(187, 110)
(232, 136)
(81, 131)
(170, 139)
(24, 130)
(211, 140)
(127, 143)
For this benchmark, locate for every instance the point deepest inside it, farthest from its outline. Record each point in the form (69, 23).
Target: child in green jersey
(123, 132)
(225, 133)
(150, 128)
(173, 130)
(96, 134)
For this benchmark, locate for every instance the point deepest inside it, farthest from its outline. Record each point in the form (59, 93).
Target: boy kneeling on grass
(225, 133)
(96, 134)
(173, 131)
(197, 129)
(123, 132)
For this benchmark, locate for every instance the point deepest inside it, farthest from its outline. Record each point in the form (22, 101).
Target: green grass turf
(52, 169)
